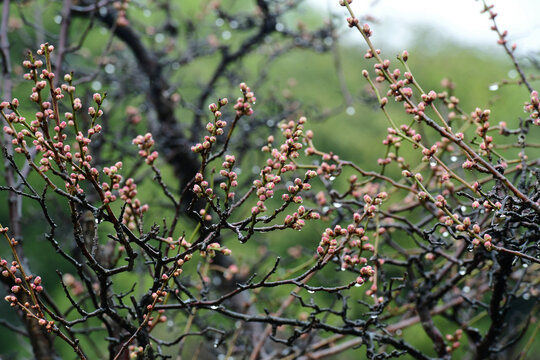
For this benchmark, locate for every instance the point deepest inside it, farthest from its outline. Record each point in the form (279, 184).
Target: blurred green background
(306, 78)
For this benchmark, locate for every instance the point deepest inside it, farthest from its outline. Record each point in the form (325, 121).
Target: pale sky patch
(457, 20)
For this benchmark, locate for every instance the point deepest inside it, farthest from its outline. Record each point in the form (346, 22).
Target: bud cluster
(145, 144)
(281, 162)
(243, 104)
(533, 108)
(230, 177)
(215, 128)
(135, 209)
(59, 142)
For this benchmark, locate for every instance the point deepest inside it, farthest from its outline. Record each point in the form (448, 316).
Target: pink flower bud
(405, 55)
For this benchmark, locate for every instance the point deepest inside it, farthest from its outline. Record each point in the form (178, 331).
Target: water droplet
(494, 87)
(342, 269)
(399, 332)
(470, 248)
(57, 19)
(373, 316)
(466, 289)
(159, 38)
(280, 27)
(512, 74)
(214, 307)
(332, 178)
(350, 111)
(445, 234)
(110, 68)
(358, 285)
(147, 13)
(311, 291)
(432, 162)
(170, 323)
(453, 158)
(233, 24)
(226, 35)
(96, 85)
(220, 22)
(525, 266)
(463, 208)
(526, 296)
(337, 205)
(462, 271)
